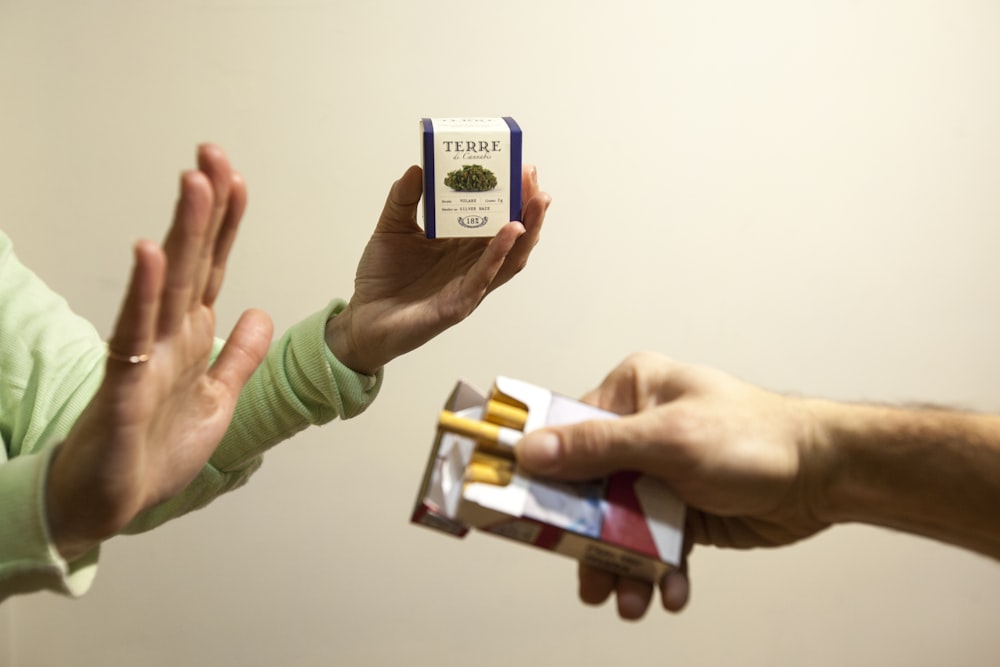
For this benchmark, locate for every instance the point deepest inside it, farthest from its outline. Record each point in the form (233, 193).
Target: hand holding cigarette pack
(628, 523)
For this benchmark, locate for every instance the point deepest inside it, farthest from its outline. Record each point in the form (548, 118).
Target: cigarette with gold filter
(505, 414)
(500, 397)
(492, 459)
(484, 432)
(485, 473)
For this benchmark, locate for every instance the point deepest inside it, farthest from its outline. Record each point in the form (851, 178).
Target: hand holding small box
(409, 288)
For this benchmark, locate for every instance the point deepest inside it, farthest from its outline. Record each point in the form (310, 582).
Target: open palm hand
(409, 288)
(162, 407)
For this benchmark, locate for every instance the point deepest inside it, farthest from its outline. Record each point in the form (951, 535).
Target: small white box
(472, 175)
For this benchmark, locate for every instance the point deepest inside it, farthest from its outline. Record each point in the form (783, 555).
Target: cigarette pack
(628, 523)
(472, 175)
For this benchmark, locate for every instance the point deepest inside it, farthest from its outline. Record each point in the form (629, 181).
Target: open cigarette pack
(628, 523)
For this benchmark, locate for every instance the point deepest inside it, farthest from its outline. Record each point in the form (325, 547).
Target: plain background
(803, 194)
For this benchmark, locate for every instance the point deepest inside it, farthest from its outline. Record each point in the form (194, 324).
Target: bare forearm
(931, 472)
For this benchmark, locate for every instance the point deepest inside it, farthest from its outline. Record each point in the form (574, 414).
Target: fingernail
(540, 451)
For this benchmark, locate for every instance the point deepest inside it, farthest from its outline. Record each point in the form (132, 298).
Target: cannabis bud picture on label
(471, 178)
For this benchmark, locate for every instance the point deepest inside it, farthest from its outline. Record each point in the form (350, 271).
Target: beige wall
(6, 634)
(804, 196)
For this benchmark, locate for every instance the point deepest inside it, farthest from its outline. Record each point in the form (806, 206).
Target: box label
(472, 175)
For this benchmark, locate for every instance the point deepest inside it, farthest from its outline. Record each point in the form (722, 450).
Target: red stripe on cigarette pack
(624, 521)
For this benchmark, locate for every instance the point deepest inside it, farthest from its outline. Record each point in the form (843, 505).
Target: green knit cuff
(29, 561)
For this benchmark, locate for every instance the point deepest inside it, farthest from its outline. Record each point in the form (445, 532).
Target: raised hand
(163, 406)
(409, 288)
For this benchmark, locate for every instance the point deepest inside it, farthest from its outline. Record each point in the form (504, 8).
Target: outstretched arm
(758, 468)
(929, 471)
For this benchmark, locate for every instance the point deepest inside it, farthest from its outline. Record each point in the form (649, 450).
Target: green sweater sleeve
(51, 363)
(50, 366)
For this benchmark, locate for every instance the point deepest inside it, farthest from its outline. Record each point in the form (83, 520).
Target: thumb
(244, 350)
(585, 450)
(400, 210)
